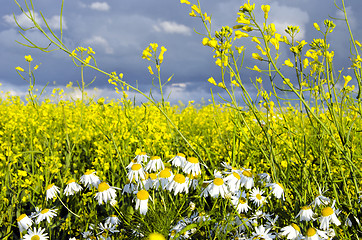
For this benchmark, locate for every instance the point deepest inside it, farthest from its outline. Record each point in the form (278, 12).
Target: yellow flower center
(89, 172)
(165, 173)
(142, 153)
(311, 232)
(155, 157)
(35, 237)
(153, 176)
(306, 207)
(218, 181)
(192, 160)
(247, 173)
(143, 195)
(103, 186)
(156, 236)
(136, 167)
(21, 217)
(280, 185)
(327, 211)
(295, 227)
(50, 186)
(180, 154)
(258, 196)
(71, 181)
(179, 178)
(236, 175)
(242, 200)
(44, 211)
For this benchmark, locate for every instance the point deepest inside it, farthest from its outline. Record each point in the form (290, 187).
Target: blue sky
(119, 30)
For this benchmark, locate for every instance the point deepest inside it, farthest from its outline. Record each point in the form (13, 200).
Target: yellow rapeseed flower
(19, 69)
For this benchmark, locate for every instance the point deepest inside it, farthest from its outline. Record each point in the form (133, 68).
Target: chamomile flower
(89, 178)
(233, 180)
(47, 214)
(320, 199)
(306, 214)
(315, 234)
(262, 233)
(277, 190)
(130, 187)
(264, 177)
(291, 232)
(178, 184)
(142, 197)
(107, 228)
(51, 191)
(257, 197)
(36, 234)
(240, 202)
(151, 181)
(247, 179)
(141, 157)
(164, 178)
(154, 164)
(24, 222)
(105, 193)
(179, 160)
(113, 219)
(192, 166)
(216, 187)
(72, 187)
(328, 216)
(136, 172)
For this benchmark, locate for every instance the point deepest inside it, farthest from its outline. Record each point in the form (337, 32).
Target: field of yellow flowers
(271, 168)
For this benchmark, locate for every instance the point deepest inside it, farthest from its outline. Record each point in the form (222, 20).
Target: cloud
(100, 6)
(100, 41)
(24, 21)
(172, 27)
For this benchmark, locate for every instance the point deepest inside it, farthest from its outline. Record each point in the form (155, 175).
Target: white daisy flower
(136, 173)
(247, 179)
(233, 181)
(113, 219)
(142, 197)
(229, 168)
(51, 191)
(240, 202)
(151, 181)
(47, 214)
(105, 193)
(89, 178)
(141, 157)
(154, 164)
(194, 181)
(36, 234)
(277, 190)
(215, 188)
(179, 160)
(262, 233)
(130, 187)
(315, 234)
(178, 184)
(328, 216)
(244, 223)
(72, 187)
(320, 199)
(107, 228)
(291, 232)
(351, 220)
(257, 197)
(264, 177)
(164, 178)
(306, 214)
(192, 166)
(24, 222)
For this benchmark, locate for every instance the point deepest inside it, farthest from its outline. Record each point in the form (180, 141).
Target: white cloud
(100, 6)
(100, 41)
(172, 27)
(24, 21)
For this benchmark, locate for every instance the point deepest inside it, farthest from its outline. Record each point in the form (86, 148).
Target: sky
(119, 30)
